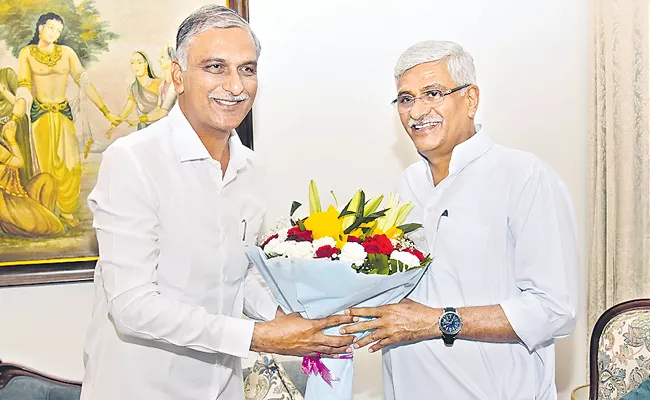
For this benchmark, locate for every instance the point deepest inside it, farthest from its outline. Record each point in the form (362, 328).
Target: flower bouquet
(359, 256)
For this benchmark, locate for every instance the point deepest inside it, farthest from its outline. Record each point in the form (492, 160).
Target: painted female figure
(143, 94)
(8, 88)
(25, 210)
(168, 95)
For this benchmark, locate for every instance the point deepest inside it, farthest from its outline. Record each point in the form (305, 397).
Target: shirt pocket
(464, 233)
(251, 215)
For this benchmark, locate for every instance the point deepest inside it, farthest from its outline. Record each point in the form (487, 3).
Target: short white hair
(206, 18)
(460, 63)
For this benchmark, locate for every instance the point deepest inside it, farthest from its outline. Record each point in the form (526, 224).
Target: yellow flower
(324, 223)
(393, 232)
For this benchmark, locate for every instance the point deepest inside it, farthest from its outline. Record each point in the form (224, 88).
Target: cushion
(29, 388)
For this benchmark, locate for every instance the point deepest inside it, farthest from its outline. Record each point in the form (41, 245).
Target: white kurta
(509, 238)
(172, 278)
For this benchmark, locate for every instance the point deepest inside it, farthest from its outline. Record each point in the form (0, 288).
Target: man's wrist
(258, 342)
(434, 323)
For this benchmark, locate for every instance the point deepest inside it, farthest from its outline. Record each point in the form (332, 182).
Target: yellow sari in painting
(26, 211)
(9, 79)
(57, 150)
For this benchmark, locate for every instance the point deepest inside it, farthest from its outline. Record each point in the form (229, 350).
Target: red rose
(326, 251)
(370, 246)
(297, 235)
(385, 245)
(353, 239)
(269, 239)
(416, 253)
(378, 244)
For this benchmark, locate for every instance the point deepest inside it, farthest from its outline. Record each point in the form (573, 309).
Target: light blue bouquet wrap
(318, 288)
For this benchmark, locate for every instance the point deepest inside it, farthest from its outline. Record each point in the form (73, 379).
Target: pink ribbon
(314, 365)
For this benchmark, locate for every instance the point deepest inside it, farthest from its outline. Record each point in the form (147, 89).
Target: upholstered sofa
(21, 383)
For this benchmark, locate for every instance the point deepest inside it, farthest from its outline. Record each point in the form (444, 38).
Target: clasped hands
(117, 120)
(407, 321)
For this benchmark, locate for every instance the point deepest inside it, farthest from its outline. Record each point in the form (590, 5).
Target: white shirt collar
(466, 152)
(189, 145)
(471, 149)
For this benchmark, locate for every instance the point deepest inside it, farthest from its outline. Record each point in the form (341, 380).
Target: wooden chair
(619, 352)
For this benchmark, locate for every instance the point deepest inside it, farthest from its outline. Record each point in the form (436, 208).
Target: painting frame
(81, 269)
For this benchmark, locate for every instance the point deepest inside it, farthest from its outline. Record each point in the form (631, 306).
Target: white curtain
(619, 260)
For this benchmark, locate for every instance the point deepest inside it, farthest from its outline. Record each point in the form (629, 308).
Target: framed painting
(75, 75)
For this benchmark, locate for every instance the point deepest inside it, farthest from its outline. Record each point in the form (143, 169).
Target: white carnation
(302, 250)
(354, 253)
(324, 241)
(406, 258)
(283, 233)
(275, 246)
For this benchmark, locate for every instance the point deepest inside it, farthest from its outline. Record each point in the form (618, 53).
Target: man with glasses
(501, 227)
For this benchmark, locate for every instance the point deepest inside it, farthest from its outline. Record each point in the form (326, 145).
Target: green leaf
(357, 223)
(402, 267)
(408, 228)
(345, 210)
(380, 262)
(346, 213)
(377, 214)
(393, 266)
(372, 205)
(353, 205)
(294, 206)
(301, 225)
(397, 266)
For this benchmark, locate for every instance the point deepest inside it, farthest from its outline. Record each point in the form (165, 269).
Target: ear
(177, 77)
(472, 98)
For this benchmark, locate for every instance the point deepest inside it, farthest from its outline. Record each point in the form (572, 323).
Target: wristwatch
(450, 324)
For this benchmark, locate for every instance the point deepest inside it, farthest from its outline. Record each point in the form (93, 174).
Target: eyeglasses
(430, 98)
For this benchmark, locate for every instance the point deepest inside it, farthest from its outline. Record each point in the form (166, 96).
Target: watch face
(450, 323)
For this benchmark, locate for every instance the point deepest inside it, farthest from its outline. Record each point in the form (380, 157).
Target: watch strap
(448, 339)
